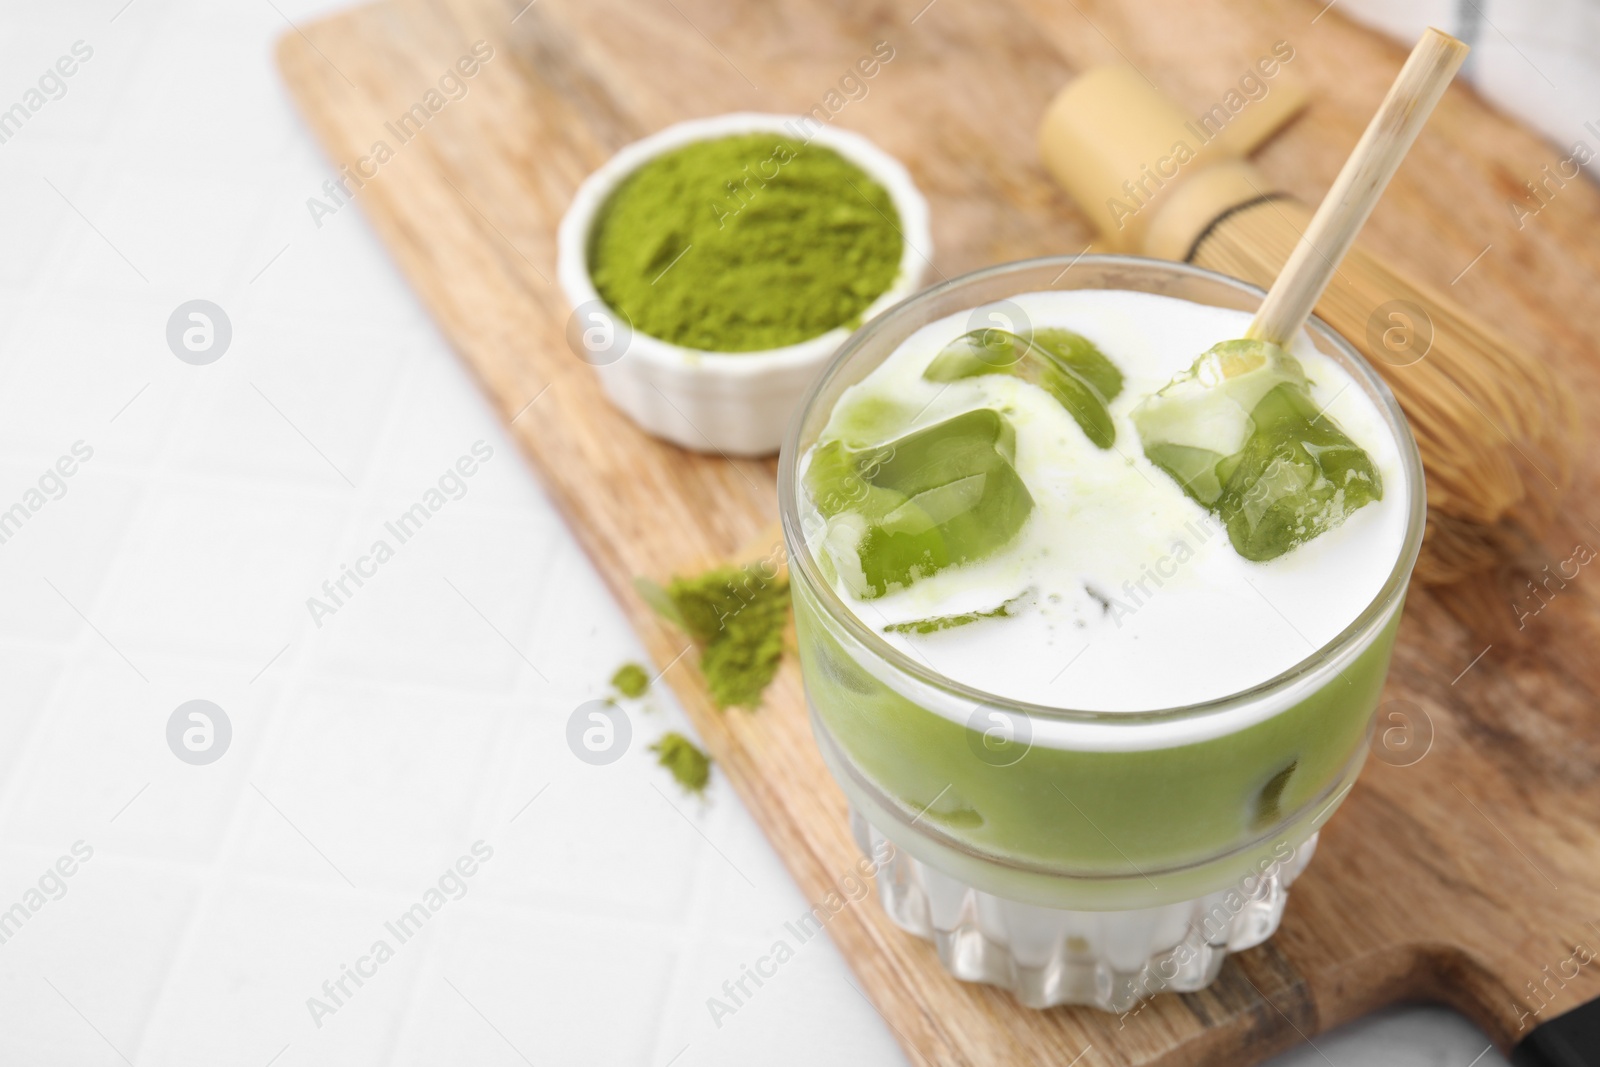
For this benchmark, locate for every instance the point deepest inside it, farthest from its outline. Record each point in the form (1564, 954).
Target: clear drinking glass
(1076, 856)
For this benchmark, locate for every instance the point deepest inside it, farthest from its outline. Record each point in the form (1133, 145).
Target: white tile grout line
(705, 888)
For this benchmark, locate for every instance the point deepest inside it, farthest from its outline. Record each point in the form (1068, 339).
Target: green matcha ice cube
(939, 496)
(936, 623)
(1063, 364)
(1242, 436)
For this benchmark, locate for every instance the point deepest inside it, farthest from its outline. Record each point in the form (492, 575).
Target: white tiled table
(369, 752)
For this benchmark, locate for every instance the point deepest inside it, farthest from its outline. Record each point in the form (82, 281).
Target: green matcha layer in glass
(1096, 691)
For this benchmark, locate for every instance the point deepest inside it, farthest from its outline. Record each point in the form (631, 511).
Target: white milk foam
(1137, 600)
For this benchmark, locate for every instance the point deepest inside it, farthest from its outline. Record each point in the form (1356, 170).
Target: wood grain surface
(1468, 877)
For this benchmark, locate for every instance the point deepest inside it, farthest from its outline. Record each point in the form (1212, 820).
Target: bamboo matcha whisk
(1489, 420)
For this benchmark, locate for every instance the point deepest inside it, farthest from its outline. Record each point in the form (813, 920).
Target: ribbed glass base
(1049, 956)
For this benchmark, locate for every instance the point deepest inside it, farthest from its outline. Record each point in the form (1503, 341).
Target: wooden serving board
(1468, 877)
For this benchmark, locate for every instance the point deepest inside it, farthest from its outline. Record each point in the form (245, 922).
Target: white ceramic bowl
(735, 403)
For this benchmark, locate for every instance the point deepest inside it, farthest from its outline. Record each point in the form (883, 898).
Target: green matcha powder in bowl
(714, 267)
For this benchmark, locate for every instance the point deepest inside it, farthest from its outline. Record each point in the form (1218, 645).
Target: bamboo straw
(1388, 137)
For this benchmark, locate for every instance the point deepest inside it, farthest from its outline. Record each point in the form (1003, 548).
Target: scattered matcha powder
(737, 615)
(631, 680)
(690, 766)
(744, 243)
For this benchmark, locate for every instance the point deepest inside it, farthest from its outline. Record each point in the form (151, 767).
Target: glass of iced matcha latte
(1094, 608)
